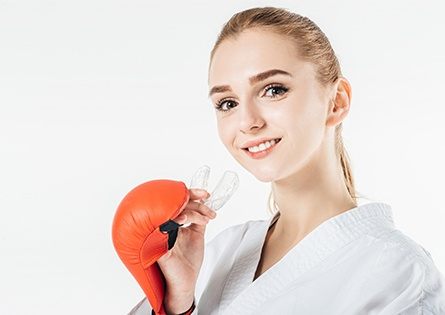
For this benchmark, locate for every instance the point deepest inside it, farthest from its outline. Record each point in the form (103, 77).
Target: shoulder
(398, 249)
(409, 274)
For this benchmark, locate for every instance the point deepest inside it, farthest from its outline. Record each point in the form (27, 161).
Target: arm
(144, 308)
(182, 304)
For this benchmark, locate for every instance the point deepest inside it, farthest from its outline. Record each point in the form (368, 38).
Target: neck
(314, 194)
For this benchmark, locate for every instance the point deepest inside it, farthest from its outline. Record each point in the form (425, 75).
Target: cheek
(303, 112)
(225, 134)
(303, 126)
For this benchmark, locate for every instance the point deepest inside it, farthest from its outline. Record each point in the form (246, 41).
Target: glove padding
(143, 231)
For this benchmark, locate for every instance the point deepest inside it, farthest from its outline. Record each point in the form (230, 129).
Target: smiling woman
(280, 100)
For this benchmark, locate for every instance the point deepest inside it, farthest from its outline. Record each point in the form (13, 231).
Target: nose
(250, 118)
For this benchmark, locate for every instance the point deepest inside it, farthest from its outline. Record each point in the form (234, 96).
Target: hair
(313, 46)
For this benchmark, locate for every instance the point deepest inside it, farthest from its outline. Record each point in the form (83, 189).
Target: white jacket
(354, 263)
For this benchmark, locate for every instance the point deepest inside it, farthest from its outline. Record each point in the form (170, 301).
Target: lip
(254, 143)
(261, 154)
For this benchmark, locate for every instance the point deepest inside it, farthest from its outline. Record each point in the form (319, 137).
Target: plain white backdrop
(99, 96)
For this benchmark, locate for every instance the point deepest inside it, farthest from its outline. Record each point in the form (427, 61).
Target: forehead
(253, 51)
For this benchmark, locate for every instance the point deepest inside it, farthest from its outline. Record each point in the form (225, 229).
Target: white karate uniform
(354, 263)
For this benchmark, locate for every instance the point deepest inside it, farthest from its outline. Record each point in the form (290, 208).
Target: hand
(180, 265)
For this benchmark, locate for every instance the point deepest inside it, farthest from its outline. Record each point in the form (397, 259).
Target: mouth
(277, 140)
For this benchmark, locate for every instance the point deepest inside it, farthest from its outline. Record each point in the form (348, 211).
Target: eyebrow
(254, 79)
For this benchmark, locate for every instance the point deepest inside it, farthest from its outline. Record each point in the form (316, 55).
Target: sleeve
(142, 308)
(423, 296)
(412, 284)
(433, 297)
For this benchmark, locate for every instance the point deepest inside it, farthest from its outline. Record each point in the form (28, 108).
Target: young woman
(280, 100)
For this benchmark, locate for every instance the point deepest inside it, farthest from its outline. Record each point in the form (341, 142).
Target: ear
(340, 103)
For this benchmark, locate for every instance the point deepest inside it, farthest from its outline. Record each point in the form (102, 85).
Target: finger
(192, 217)
(181, 219)
(201, 208)
(198, 194)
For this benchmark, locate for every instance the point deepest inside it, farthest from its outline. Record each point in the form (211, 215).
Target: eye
(220, 104)
(276, 87)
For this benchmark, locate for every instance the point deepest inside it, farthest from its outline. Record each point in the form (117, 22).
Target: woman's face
(291, 107)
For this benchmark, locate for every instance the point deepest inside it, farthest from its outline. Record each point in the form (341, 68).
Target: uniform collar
(241, 295)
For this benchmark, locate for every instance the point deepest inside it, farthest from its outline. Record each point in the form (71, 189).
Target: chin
(264, 176)
(265, 179)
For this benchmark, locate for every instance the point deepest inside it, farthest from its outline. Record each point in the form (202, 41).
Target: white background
(99, 96)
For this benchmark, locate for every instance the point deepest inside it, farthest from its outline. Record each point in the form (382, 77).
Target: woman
(280, 100)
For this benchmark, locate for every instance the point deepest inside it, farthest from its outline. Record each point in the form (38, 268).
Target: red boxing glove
(143, 231)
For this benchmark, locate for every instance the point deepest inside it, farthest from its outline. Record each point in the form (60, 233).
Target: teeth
(263, 146)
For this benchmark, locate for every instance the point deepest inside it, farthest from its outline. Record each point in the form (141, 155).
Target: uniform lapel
(246, 262)
(242, 296)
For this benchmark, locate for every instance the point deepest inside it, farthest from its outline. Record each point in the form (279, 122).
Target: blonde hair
(313, 46)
